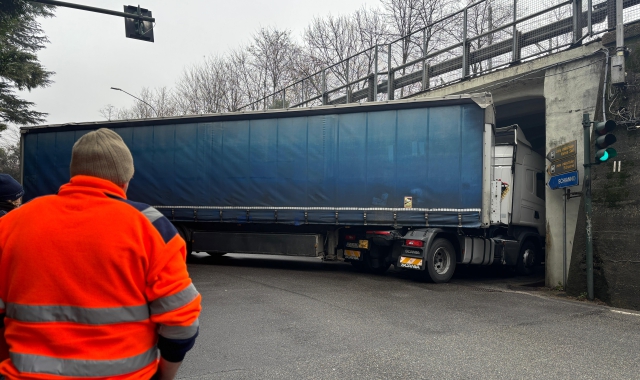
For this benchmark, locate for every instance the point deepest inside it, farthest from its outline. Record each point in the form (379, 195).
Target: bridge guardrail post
(325, 96)
(348, 88)
(425, 77)
(465, 46)
(611, 14)
(589, 18)
(375, 75)
(577, 21)
(390, 87)
(371, 87)
(490, 36)
(425, 66)
(515, 48)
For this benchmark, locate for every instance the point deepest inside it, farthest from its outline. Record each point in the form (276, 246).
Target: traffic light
(604, 140)
(140, 30)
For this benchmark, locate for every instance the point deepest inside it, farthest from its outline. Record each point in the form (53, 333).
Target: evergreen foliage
(21, 37)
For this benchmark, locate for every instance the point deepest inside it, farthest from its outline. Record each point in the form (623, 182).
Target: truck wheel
(185, 234)
(441, 261)
(376, 260)
(527, 259)
(376, 266)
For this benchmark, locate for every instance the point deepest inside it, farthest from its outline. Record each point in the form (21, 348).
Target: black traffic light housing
(604, 140)
(140, 30)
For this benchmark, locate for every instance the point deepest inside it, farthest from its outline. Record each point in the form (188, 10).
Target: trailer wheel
(441, 261)
(527, 258)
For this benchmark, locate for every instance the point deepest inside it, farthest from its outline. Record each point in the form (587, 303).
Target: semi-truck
(424, 184)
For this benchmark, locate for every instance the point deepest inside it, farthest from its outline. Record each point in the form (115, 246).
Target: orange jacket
(88, 282)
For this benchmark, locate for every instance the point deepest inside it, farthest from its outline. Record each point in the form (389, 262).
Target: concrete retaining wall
(616, 199)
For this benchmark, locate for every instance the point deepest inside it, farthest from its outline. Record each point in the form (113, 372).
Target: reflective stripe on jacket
(88, 279)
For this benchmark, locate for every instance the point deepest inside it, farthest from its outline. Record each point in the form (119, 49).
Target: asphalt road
(268, 317)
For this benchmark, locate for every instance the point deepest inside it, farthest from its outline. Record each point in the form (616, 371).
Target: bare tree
(159, 102)
(109, 112)
(329, 41)
(482, 18)
(273, 54)
(246, 81)
(413, 22)
(239, 88)
(557, 14)
(259, 73)
(201, 88)
(10, 151)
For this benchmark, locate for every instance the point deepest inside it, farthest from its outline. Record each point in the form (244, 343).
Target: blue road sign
(564, 180)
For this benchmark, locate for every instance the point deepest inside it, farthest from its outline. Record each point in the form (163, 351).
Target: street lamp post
(150, 106)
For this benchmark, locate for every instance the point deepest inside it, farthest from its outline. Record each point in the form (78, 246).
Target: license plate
(410, 262)
(349, 254)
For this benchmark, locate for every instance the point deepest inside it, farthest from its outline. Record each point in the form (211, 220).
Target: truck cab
(514, 238)
(520, 172)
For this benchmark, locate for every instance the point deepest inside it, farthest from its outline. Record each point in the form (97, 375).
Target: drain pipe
(604, 85)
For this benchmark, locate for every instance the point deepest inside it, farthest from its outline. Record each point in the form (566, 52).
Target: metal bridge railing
(482, 37)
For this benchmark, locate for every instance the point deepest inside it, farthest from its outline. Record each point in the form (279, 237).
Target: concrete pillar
(569, 90)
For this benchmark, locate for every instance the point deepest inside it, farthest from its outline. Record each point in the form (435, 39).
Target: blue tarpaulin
(293, 167)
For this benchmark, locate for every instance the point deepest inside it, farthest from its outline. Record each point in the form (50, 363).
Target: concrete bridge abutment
(546, 97)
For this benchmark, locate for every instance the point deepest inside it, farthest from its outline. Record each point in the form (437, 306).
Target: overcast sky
(89, 52)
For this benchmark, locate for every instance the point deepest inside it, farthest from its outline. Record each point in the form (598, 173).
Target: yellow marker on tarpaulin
(408, 202)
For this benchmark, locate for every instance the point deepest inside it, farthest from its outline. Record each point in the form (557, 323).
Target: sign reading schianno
(564, 180)
(563, 151)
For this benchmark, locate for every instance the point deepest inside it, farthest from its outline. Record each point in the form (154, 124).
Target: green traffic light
(603, 155)
(604, 139)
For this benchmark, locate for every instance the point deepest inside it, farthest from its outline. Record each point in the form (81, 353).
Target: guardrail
(482, 37)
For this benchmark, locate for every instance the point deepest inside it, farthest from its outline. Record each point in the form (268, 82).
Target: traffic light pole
(94, 9)
(586, 124)
(565, 198)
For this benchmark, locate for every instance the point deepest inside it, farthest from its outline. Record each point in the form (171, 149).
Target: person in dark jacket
(11, 193)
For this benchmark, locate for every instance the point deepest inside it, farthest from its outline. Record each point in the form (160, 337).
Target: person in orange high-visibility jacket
(94, 285)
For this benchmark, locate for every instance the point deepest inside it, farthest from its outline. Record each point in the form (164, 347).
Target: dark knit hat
(102, 154)
(10, 189)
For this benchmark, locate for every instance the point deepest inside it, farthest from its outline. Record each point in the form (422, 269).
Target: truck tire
(376, 260)
(185, 234)
(527, 258)
(376, 266)
(441, 261)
